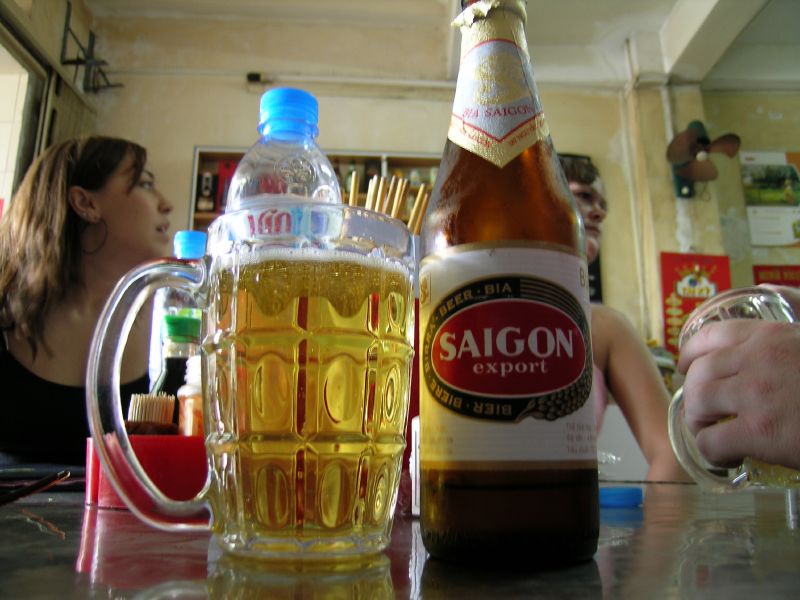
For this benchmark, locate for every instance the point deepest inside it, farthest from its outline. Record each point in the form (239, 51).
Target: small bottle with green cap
(187, 245)
(182, 341)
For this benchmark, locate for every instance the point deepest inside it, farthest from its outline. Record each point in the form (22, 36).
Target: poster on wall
(777, 274)
(686, 281)
(771, 182)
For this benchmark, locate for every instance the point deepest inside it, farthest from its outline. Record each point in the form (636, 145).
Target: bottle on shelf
(182, 342)
(286, 160)
(508, 456)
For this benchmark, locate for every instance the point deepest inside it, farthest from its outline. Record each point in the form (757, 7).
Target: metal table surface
(681, 543)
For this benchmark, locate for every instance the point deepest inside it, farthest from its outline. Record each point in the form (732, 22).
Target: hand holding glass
(744, 303)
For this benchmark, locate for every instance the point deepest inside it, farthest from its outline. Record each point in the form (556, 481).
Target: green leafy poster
(771, 182)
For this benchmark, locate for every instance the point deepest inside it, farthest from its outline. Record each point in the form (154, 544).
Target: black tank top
(46, 422)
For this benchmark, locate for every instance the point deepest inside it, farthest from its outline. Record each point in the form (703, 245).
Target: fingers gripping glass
(743, 303)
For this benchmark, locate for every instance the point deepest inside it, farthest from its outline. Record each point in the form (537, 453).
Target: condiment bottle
(508, 455)
(190, 400)
(182, 342)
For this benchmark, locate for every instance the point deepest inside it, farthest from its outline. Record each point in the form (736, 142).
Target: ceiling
(722, 44)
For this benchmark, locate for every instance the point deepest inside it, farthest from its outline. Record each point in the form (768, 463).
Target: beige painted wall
(766, 122)
(170, 115)
(185, 86)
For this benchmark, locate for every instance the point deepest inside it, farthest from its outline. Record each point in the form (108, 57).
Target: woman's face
(136, 214)
(592, 204)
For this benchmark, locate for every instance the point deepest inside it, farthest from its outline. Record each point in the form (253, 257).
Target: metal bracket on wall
(94, 77)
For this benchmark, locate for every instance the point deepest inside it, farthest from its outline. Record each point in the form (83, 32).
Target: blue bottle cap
(288, 110)
(620, 497)
(189, 244)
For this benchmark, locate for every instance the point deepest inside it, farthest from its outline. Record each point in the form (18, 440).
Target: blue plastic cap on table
(620, 497)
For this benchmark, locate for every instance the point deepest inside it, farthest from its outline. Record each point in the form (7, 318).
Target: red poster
(777, 274)
(686, 281)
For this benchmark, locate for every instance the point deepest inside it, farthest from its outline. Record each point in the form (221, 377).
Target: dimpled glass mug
(307, 349)
(742, 303)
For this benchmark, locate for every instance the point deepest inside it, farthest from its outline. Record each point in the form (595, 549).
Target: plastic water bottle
(286, 161)
(186, 245)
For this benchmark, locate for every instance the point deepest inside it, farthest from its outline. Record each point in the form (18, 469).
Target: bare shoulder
(612, 334)
(607, 320)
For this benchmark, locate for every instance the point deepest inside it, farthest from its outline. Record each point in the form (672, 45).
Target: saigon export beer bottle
(508, 453)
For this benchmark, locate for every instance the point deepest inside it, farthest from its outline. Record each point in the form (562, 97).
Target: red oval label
(509, 347)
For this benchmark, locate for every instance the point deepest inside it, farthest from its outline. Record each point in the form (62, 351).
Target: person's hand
(742, 391)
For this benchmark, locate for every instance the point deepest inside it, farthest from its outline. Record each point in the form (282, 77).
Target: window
(22, 91)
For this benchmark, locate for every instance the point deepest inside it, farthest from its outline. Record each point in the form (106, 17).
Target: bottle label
(505, 357)
(496, 111)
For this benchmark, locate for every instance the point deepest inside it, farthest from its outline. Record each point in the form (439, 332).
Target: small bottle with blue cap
(285, 163)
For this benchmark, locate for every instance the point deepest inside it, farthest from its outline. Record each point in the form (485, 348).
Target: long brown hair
(40, 233)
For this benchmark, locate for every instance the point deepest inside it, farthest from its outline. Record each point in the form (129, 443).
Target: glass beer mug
(306, 351)
(743, 303)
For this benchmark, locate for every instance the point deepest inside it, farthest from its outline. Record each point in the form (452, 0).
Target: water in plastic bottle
(286, 160)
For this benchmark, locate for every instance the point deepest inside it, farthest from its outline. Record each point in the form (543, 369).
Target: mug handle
(689, 456)
(104, 407)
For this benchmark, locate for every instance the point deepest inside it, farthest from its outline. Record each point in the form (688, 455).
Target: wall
(185, 86)
(171, 115)
(766, 122)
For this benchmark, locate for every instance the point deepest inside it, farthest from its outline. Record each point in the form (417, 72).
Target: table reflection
(120, 552)
(681, 543)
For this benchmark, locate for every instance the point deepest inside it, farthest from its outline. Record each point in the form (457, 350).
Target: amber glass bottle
(508, 454)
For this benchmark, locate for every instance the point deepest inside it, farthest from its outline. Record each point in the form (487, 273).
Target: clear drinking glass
(742, 303)
(307, 347)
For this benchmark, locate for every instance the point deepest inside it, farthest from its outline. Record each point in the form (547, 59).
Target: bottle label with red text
(505, 356)
(496, 111)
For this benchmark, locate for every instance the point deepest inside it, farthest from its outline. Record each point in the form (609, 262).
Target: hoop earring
(102, 241)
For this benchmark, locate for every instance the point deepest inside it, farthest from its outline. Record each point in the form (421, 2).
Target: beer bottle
(508, 453)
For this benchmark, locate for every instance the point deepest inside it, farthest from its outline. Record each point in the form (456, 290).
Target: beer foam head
(372, 260)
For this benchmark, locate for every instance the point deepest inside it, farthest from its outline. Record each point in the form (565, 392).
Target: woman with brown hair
(86, 212)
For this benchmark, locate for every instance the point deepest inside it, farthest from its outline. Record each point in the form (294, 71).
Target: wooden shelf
(205, 217)
(421, 168)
